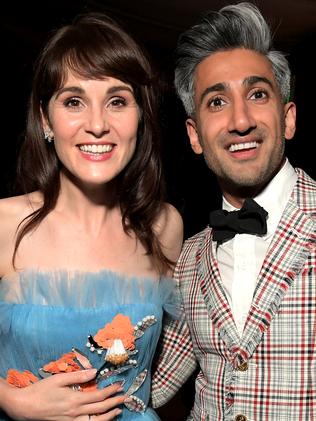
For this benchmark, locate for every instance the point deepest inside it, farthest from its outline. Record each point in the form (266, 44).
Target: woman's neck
(88, 205)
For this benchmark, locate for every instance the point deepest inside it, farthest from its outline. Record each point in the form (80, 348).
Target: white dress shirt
(240, 259)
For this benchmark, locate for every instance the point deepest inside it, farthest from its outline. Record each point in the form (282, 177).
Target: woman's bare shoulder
(18, 207)
(12, 212)
(169, 229)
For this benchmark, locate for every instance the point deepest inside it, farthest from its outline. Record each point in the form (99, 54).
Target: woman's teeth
(96, 148)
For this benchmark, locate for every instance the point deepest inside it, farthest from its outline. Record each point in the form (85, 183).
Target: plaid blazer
(270, 373)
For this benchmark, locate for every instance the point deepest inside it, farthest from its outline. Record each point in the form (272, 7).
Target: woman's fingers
(113, 388)
(105, 406)
(100, 395)
(105, 402)
(75, 377)
(111, 415)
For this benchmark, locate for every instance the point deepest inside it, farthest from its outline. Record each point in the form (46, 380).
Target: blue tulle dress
(44, 315)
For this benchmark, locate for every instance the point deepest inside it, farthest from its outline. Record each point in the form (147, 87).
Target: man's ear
(193, 136)
(289, 120)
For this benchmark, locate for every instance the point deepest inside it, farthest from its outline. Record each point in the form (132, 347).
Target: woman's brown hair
(95, 46)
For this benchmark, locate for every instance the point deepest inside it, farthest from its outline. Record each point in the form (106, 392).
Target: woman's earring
(48, 136)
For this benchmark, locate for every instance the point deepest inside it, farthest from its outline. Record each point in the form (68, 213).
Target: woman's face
(94, 124)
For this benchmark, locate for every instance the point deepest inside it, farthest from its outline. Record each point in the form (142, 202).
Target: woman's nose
(97, 122)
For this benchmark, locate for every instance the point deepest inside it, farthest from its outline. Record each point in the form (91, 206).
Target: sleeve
(175, 358)
(176, 361)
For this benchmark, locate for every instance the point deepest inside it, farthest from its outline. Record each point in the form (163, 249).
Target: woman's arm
(169, 230)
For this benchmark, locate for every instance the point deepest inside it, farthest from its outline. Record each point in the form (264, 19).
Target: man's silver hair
(235, 26)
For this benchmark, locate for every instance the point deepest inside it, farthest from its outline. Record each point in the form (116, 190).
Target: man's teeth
(242, 146)
(96, 148)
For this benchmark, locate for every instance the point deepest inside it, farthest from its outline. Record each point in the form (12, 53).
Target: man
(249, 299)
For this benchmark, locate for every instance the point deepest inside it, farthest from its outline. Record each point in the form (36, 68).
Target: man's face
(240, 122)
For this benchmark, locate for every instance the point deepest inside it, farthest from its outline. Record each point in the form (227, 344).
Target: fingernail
(118, 411)
(91, 371)
(128, 399)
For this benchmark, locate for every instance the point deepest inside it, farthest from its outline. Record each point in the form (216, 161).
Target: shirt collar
(274, 196)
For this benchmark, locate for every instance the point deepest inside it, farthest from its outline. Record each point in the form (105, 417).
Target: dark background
(156, 24)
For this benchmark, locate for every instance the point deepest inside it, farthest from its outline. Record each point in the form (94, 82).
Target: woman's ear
(45, 122)
(48, 132)
(289, 120)
(193, 136)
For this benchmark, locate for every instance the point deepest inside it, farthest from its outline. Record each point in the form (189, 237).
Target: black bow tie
(250, 219)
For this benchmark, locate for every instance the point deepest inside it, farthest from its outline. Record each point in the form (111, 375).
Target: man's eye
(259, 95)
(216, 102)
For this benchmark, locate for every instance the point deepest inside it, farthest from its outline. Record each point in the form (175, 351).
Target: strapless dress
(45, 315)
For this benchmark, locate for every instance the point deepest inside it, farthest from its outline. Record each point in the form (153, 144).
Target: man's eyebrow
(214, 88)
(252, 80)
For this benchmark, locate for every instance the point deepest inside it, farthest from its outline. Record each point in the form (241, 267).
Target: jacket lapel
(214, 294)
(287, 253)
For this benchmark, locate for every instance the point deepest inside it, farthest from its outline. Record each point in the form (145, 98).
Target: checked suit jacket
(269, 374)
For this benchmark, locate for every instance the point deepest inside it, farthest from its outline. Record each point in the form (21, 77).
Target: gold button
(243, 366)
(240, 417)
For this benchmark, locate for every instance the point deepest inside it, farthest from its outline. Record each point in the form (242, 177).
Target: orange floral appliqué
(120, 328)
(21, 378)
(65, 364)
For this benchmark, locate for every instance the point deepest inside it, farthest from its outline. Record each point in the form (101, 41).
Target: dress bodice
(44, 315)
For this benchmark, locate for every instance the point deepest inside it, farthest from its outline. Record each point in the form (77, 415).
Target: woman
(87, 250)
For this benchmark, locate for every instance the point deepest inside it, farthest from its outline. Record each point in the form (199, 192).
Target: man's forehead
(233, 66)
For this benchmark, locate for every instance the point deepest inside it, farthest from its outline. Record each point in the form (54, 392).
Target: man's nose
(241, 119)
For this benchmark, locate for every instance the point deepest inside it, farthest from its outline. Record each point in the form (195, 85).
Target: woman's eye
(72, 102)
(117, 102)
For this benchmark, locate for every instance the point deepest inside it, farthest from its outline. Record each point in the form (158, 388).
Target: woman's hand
(54, 399)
